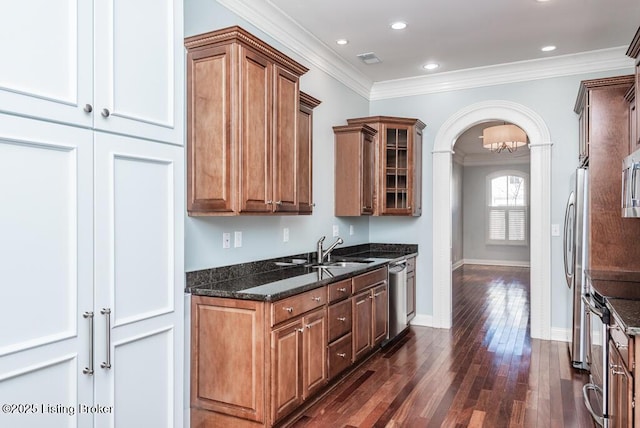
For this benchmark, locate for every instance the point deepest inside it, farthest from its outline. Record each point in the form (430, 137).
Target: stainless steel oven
(596, 393)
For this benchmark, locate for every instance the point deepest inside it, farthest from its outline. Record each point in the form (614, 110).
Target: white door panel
(139, 68)
(46, 271)
(139, 274)
(47, 68)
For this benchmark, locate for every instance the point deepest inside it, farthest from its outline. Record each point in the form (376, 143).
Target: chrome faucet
(322, 254)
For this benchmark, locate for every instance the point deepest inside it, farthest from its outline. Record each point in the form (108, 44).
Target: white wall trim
(422, 320)
(499, 74)
(512, 263)
(540, 200)
(457, 265)
(273, 21)
(561, 334)
(268, 18)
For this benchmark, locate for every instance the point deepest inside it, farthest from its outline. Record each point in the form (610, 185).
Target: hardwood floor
(484, 372)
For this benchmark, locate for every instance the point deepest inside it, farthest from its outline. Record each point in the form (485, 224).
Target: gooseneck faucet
(322, 254)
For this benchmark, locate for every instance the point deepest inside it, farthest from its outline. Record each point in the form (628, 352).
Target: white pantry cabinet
(90, 221)
(114, 65)
(91, 214)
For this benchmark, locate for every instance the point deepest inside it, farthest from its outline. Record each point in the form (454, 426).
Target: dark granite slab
(615, 283)
(274, 279)
(628, 313)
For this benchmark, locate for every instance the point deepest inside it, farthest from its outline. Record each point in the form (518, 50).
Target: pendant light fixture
(503, 137)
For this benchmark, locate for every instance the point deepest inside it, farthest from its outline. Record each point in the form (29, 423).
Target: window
(507, 208)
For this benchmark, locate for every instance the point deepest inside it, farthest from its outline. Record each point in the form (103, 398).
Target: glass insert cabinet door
(396, 168)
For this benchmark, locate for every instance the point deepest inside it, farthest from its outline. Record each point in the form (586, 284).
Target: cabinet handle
(89, 370)
(614, 370)
(621, 346)
(107, 364)
(377, 294)
(88, 108)
(341, 354)
(105, 112)
(343, 319)
(369, 296)
(278, 202)
(300, 330)
(342, 290)
(289, 309)
(316, 299)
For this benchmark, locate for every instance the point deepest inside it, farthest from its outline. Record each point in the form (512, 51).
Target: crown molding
(268, 18)
(564, 65)
(274, 22)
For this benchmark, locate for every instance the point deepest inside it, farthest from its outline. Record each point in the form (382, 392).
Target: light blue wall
(458, 210)
(262, 235)
(475, 214)
(553, 99)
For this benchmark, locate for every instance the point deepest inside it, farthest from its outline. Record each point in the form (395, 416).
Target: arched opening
(540, 200)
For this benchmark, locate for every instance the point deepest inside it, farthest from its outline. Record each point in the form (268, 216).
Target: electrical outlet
(336, 230)
(351, 231)
(226, 240)
(237, 239)
(555, 230)
(285, 234)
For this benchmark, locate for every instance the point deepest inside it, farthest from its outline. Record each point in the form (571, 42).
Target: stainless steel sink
(342, 264)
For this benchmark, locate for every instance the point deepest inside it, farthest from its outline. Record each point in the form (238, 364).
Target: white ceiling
(461, 34)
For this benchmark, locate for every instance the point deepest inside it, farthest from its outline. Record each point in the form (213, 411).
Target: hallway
(484, 372)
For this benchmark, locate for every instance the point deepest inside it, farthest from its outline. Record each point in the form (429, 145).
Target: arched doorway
(540, 146)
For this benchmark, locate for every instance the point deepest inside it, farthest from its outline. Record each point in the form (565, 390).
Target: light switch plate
(226, 240)
(237, 239)
(555, 230)
(336, 230)
(351, 231)
(285, 234)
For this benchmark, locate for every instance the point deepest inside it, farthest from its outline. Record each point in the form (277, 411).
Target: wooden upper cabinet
(242, 120)
(305, 153)
(354, 170)
(634, 52)
(398, 164)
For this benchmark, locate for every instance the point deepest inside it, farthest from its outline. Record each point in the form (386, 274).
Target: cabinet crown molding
(238, 34)
(355, 128)
(389, 120)
(634, 47)
(607, 82)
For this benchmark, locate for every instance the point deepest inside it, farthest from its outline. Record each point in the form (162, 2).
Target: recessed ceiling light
(342, 41)
(431, 66)
(548, 48)
(542, 1)
(399, 25)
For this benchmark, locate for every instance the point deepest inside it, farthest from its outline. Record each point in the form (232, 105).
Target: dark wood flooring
(484, 372)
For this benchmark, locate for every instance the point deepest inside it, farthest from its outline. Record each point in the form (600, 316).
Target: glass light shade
(503, 137)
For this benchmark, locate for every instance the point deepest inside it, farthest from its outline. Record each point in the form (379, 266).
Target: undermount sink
(342, 263)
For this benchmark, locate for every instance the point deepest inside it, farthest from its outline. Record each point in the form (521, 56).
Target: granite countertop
(621, 290)
(628, 313)
(269, 280)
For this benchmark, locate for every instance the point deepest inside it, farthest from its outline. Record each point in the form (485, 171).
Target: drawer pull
(342, 290)
(343, 319)
(300, 330)
(621, 346)
(377, 294)
(341, 354)
(316, 299)
(614, 370)
(289, 309)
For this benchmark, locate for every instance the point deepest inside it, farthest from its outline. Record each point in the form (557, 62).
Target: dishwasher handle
(398, 266)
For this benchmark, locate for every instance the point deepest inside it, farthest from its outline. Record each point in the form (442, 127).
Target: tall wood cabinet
(398, 164)
(305, 153)
(92, 161)
(354, 170)
(604, 136)
(243, 113)
(634, 52)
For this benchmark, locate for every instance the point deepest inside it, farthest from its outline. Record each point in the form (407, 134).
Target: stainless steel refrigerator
(576, 249)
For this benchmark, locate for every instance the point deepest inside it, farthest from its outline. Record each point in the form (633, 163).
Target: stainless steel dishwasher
(397, 297)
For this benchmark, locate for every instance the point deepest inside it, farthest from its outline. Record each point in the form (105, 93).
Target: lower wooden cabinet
(298, 361)
(620, 390)
(411, 288)
(254, 363)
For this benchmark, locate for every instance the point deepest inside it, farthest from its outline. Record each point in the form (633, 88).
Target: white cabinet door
(139, 68)
(139, 276)
(46, 276)
(46, 48)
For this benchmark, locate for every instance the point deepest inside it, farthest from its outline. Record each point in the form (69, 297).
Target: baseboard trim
(560, 334)
(422, 320)
(513, 263)
(457, 265)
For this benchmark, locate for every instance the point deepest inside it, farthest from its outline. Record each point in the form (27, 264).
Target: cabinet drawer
(622, 342)
(291, 307)
(368, 279)
(339, 319)
(339, 290)
(339, 355)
